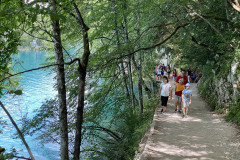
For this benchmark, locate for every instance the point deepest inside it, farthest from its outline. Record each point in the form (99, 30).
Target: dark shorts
(164, 101)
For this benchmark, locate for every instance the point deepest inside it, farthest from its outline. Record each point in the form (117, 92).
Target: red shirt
(185, 80)
(174, 74)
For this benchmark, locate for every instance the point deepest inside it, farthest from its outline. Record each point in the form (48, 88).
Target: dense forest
(103, 53)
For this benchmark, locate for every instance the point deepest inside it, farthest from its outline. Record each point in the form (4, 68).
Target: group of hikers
(162, 70)
(183, 94)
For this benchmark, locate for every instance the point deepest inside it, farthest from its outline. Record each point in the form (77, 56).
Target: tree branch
(36, 36)
(218, 18)
(150, 47)
(68, 63)
(111, 133)
(200, 16)
(22, 157)
(18, 131)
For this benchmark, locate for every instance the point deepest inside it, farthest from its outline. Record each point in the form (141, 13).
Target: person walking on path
(186, 99)
(174, 75)
(165, 72)
(155, 70)
(162, 70)
(180, 82)
(168, 71)
(165, 91)
(159, 73)
(189, 74)
(193, 77)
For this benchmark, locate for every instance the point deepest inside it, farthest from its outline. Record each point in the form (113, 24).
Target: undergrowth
(234, 112)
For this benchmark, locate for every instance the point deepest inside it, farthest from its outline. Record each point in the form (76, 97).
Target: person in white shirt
(165, 91)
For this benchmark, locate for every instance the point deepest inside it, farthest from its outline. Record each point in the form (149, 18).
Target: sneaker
(161, 111)
(183, 116)
(175, 111)
(179, 112)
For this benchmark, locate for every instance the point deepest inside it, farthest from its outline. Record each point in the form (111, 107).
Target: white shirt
(165, 73)
(165, 89)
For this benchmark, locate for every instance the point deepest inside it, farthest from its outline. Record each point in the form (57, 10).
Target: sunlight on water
(37, 87)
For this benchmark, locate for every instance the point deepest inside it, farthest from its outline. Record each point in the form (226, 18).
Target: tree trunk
(130, 81)
(130, 57)
(146, 88)
(139, 67)
(124, 79)
(18, 130)
(82, 79)
(118, 45)
(60, 87)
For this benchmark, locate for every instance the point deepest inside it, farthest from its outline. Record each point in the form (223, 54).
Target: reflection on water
(37, 86)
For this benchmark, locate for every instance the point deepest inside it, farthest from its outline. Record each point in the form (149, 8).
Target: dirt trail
(203, 135)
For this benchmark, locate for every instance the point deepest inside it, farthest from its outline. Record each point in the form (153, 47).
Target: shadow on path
(201, 136)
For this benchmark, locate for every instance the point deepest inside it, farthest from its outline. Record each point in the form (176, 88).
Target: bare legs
(164, 108)
(185, 110)
(177, 103)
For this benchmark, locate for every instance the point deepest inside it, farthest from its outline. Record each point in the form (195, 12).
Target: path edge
(140, 153)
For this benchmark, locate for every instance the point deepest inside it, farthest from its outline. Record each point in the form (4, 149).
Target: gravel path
(203, 135)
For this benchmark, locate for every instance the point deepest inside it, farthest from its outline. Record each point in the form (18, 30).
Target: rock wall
(220, 89)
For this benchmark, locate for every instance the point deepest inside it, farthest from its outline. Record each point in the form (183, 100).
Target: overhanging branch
(150, 47)
(68, 63)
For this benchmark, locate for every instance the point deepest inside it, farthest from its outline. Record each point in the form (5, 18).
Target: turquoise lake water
(37, 87)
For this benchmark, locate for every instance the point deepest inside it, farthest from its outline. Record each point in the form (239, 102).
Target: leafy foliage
(200, 34)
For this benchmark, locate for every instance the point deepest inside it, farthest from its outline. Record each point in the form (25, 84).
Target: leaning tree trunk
(81, 87)
(60, 86)
(18, 131)
(129, 57)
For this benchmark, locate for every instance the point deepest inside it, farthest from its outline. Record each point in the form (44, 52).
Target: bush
(129, 129)
(234, 112)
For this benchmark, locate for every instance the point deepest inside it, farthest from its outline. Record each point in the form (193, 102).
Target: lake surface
(37, 87)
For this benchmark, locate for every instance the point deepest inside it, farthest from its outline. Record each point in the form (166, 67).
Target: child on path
(186, 99)
(180, 82)
(166, 92)
(174, 75)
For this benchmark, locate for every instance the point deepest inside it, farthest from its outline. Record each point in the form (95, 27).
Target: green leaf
(34, 18)
(18, 92)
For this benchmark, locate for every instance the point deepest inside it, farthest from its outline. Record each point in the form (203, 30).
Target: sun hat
(188, 85)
